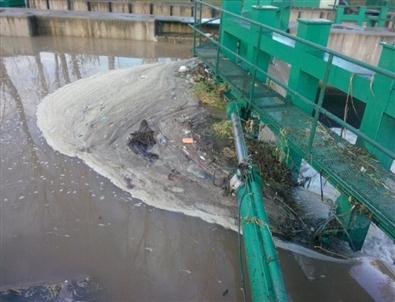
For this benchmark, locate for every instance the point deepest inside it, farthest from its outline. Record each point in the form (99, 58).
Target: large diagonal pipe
(266, 280)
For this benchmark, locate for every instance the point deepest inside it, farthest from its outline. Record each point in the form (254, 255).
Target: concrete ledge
(361, 44)
(27, 22)
(17, 23)
(137, 7)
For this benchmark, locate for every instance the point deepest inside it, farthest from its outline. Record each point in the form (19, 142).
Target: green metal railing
(315, 47)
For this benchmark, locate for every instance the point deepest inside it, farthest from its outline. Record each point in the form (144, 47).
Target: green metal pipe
(259, 277)
(194, 32)
(264, 269)
(256, 55)
(266, 281)
(240, 145)
(271, 254)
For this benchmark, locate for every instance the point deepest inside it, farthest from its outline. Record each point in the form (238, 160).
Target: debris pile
(142, 141)
(69, 290)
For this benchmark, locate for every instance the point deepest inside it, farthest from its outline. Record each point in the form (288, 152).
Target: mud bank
(92, 119)
(95, 118)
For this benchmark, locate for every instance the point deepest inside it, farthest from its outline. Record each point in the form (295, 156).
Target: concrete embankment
(24, 23)
(30, 22)
(360, 44)
(157, 8)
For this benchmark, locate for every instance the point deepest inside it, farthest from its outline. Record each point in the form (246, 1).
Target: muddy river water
(60, 220)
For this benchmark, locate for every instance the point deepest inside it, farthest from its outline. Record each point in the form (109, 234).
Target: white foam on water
(379, 246)
(377, 279)
(315, 181)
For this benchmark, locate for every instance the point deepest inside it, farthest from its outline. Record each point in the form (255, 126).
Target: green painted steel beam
(265, 277)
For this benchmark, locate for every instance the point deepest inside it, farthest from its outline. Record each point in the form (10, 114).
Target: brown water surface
(60, 220)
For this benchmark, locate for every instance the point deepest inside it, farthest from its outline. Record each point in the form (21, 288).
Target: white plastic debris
(183, 69)
(235, 182)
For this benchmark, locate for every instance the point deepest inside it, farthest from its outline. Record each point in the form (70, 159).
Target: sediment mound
(98, 120)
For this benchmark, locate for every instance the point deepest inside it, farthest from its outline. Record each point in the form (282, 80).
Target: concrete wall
(89, 28)
(161, 9)
(141, 8)
(79, 5)
(137, 7)
(307, 13)
(121, 7)
(38, 4)
(99, 6)
(59, 4)
(16, 22)
(172, 28)
(17, 26)
(327, 4)
(185, 11)
(360, 45)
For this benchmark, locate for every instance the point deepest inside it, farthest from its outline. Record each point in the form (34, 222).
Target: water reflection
(60, 220)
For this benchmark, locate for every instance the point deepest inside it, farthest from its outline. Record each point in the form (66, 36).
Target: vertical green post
(200, 20)
(382, 16)
(218, 46)
(268, 15)
(354, 221)
(285, 13)
(315, 30)
(339, 14)
(194, 24)
(227, 40)
(361, 15)
(379, 117)
(255, 62)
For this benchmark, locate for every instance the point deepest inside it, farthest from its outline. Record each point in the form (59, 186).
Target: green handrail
(306, 42)
(303, 98)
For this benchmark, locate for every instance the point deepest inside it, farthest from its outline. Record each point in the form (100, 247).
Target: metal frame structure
(369, 15)
(249, 40)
